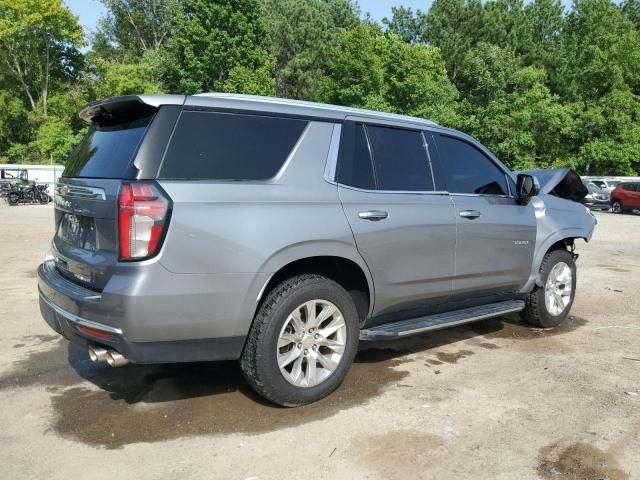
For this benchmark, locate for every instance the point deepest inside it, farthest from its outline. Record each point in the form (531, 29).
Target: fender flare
(300, 251)
(543, 247)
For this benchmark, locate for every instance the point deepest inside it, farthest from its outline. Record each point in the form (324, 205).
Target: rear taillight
(143, 218)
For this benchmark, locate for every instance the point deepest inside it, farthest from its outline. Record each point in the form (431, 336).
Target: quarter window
(465, 169)
(222, 146)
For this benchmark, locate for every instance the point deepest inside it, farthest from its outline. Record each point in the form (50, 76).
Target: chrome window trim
(332, 156)
(398, 192)
(481, 195)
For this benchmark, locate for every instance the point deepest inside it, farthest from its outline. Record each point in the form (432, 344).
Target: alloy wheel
(311, 343)
(557, 291)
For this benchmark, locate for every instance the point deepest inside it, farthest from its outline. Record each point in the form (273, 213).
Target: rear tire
(13, 199)
(282, 328)
(548, 306)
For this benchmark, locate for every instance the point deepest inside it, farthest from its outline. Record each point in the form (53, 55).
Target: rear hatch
(85, 244)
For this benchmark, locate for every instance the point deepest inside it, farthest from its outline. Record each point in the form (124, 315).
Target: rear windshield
(107, 151)
(225, 146)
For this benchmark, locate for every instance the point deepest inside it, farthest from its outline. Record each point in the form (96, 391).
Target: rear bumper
(76, 313)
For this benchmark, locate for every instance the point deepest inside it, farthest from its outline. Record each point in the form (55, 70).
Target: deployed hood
(562, 182)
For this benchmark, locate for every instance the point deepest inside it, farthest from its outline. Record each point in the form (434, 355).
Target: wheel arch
(335, 260)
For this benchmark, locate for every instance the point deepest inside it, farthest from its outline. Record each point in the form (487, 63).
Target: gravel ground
(494, 400)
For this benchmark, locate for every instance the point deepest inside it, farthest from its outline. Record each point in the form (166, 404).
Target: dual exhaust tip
(113, 358)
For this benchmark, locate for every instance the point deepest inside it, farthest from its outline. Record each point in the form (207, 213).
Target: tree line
(540, 85)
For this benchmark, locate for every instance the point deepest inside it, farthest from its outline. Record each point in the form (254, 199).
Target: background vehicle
(606, 185)
(596, 199)
(29, 193)
(625, 197)
(280, 233)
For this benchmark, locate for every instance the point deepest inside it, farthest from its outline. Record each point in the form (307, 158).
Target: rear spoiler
(111, 109)
(562, 182)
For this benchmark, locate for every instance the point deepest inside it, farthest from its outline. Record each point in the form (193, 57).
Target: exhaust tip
(98, 354)
(114, 359)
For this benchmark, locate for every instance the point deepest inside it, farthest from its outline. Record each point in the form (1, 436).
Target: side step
(412, 326)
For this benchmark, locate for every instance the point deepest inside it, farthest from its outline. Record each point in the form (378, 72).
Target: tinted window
(224, 146)
(399, 159)
(354, 163)
(465, 169)
(106, 151)
(630, 187)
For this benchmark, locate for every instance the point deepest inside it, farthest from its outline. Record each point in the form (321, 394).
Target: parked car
(606, 185)
(625, 197)
(281, 233)
(596, 199)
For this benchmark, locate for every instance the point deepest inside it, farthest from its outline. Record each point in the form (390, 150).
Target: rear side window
(224, 146)
(354, 164)
(106, 151)
(465, 169)
(400, 159)
(383, 158)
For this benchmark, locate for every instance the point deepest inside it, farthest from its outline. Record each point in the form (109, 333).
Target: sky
(90, 11)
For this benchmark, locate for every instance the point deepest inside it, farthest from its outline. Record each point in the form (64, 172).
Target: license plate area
(78, 231)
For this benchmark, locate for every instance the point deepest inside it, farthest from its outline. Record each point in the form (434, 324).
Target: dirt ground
(494, 400)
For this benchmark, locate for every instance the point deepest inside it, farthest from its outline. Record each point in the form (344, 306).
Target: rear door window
(400, 159)
(465, 169)
(354, 163)
(107, 151)
(225, 146)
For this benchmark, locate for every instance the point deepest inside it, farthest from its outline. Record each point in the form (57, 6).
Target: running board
(413, 326)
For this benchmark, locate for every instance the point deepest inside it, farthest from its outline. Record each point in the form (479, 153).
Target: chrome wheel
(311, 343)
(557, 291)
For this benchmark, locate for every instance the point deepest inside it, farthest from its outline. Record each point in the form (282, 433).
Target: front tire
(616, 207)
(548, 306)
(302, 342)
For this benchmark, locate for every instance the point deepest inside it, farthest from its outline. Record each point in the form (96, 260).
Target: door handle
(373, 215)
(470, 214)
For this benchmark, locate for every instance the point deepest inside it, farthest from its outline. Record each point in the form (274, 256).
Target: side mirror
(527, 186)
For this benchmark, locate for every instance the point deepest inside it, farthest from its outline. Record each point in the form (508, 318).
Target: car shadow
(169, 382)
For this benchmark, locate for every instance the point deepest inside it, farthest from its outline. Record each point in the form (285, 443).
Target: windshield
(106, 151)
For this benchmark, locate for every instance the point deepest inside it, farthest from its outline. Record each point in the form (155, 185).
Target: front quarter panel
(557, 219)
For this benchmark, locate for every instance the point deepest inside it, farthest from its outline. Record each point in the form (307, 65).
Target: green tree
(600, 52)
(38, 45)
(454, 26)
(631, 8)
(409, 26)
(133, 27)
(212, 38)
(372, 70)
(300, 34)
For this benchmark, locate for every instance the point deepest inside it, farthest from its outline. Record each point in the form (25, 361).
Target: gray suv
(282, 233)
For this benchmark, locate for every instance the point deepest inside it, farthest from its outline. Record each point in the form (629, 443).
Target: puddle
(488, 346)
(150, 403)
(512, 327)
(453, 357)
(579, 461)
